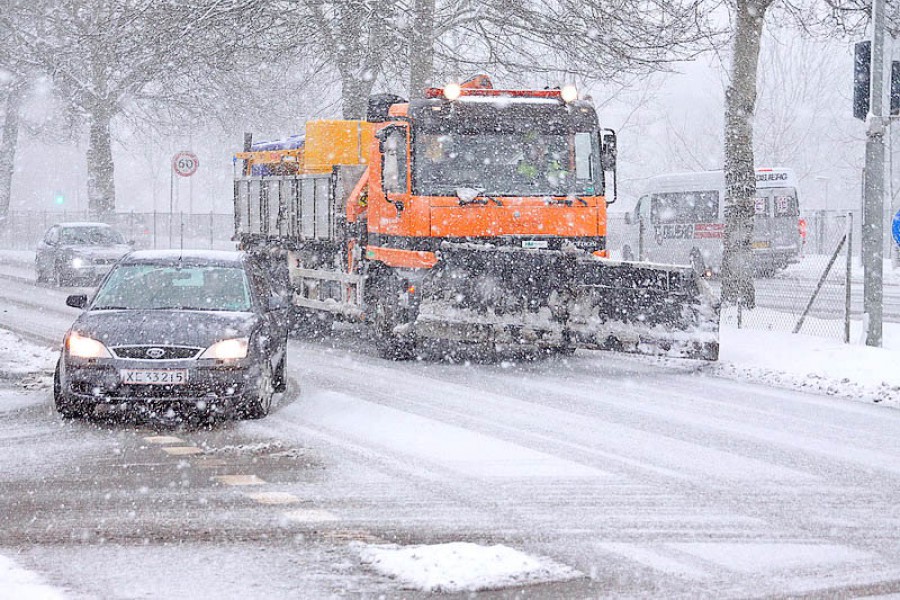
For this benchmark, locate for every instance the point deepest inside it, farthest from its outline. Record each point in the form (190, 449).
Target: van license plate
(534, 244)
(154, 376)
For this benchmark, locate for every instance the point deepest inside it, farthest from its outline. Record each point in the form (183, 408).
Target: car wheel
(260, 402)
(279, 379)
(57, 276)
(39, 275)
(65, 406)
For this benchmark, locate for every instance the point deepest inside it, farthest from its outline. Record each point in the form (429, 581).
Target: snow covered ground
(461, 566)
(19, 584)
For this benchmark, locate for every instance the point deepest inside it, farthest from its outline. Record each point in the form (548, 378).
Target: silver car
(71, 253)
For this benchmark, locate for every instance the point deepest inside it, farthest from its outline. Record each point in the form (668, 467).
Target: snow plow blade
(643, 308)
(550, 299)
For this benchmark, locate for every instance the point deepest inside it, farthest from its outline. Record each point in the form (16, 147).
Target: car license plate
(534, 244)
(761, 244)
(154, 376)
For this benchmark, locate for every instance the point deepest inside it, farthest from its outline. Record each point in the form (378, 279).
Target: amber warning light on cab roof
(481, 86)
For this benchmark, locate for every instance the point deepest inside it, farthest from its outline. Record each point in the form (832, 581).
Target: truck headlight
(228, 349)
(84, 347)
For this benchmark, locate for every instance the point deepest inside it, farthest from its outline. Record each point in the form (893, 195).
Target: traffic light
(862, 77)
(59, 198)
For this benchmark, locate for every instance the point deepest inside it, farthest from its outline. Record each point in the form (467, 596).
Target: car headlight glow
(77, 262)
(228, 349)
(85, 347)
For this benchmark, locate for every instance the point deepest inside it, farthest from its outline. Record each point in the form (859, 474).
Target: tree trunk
(101, 185)
(8, 146)
(421, 48)
(740, 173)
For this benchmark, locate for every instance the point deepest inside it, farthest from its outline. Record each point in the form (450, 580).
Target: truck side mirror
(608, 163)
(608, 150)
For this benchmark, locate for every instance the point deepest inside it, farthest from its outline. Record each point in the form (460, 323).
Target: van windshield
(685, 207)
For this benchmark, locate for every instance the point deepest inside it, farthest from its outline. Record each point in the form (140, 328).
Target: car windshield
(507, 164)
(90, 236)
(156, 287)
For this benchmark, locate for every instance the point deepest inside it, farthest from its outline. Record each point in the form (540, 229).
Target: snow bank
(20, 584)
(18, 357)
(813, 364)
(462, 566)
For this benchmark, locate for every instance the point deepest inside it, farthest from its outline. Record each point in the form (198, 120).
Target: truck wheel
(389, 344)
(627, 253)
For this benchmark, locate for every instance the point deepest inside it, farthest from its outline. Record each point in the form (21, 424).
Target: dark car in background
(72, 253)
(170, 332)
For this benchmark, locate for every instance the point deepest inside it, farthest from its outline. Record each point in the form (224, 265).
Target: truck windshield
(685, 207)
(507, 164)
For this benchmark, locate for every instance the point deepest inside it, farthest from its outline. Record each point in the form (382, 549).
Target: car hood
(117, 251)
(198, 329)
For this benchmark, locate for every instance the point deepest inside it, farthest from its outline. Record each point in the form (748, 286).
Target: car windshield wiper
(110, 307)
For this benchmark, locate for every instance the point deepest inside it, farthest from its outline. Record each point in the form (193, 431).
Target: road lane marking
(210, 463)
(310, 516)
(163, 439)
(182, 450)
(273, 497)
(239, 479)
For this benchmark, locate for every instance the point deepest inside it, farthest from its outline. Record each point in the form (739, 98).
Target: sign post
(184, 164)
(895, 228)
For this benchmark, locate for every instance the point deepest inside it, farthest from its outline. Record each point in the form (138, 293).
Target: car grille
(156, 352)
(139, 392)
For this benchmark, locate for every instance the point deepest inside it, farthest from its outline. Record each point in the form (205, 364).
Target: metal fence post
(848, 281)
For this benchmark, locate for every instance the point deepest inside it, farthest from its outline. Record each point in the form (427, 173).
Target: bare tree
(105, 55)
(740, 173)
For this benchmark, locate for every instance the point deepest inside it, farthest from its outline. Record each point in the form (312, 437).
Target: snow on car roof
(193, 256)
(83, 224)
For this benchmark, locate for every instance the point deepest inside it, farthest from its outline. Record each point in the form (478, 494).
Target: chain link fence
(788, 294)
(815, 295)
(23, 230)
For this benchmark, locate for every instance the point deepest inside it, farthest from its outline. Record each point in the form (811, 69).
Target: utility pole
(873, 204)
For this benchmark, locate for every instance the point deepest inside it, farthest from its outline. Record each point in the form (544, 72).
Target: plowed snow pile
(814, 364)
(18, 357)
(20, 584)
(462, 566)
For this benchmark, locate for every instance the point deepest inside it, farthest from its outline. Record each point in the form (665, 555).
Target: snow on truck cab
(680, 217)
(473, 216)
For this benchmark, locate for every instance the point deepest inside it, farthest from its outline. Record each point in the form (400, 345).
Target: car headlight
(85, 347)
(228, 349)
(77, 262)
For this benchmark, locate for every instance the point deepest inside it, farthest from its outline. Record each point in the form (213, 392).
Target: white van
(680, 219)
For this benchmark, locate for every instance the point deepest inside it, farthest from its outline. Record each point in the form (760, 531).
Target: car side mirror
(77, 301)
(276, 303)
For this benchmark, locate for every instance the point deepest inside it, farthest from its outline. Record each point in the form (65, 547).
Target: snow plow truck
(472, 217)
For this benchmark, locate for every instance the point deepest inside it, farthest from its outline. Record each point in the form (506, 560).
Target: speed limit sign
(185, 163)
